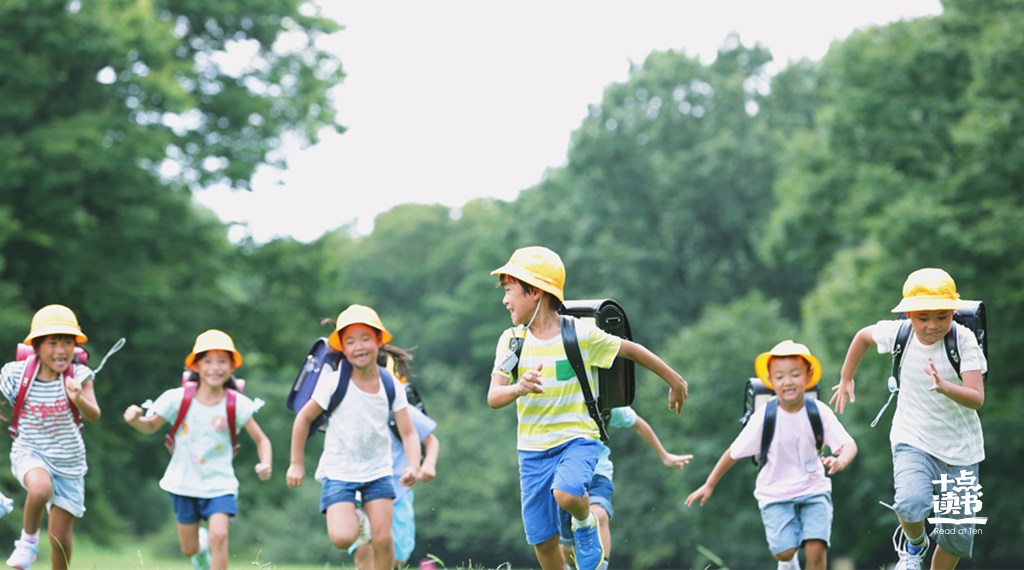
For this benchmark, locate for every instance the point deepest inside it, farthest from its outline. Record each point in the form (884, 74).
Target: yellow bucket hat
(213, 339)
(929, 289)
(357, 314)
(787, 348)
(55, 319)
(538, 266)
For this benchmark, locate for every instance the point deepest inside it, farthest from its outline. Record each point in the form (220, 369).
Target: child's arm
(705, 490)
(411, 444)
(646, 433)
(145, 424)
(428, 469)
(84, 397)
(846, 455)
(862, 341)
(677, 386)
(300, 429)
(970, 395)
(263, 449)
(501, 393)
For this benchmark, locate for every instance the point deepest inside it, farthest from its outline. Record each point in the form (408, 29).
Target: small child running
(48, 453)
(200, 476)
(792, 491)
(357, 445)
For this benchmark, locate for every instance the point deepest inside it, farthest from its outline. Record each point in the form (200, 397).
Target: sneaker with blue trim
(364, 529)
(24, 554)
(201, 559)
(911, 557)
(589, 550)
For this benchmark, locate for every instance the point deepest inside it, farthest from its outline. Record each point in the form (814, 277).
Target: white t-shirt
(357, 445)
(792, 468)
(201, 463)
(47, 426)
(928, 420)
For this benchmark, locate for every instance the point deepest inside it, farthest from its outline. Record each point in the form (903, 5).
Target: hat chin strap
(535, 311)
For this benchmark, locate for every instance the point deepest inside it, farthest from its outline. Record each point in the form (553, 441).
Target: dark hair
(401, 356)
(38, 341)
(553, 303)
(810, 367)
(194, 376)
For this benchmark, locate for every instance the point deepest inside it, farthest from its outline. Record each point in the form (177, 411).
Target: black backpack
(616, 386)
(757, 394)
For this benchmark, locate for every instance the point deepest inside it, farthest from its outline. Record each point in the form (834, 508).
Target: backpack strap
(27, 378)
(186, 402)
(389, 385)
(815, 416)
(572, 351)
(899, 348)
(232, 397)
(952, 348)
(771, 408)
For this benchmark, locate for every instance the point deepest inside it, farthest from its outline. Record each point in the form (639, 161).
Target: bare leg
(578, 507)
(219, 523)
(943, 560)
(381, 511)
(549, 554)
(40, 489)
(188, 538)
(60, 528)
(816, 552)
(342, 524)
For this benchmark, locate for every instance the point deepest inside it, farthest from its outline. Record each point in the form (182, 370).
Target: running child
(48, 453)
(601, 486)
(936, 433)
(792, 490)
(200, 476)
(357, 445)
(558, 441)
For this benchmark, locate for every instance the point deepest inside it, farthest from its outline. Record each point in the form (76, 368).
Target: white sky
(446, 101)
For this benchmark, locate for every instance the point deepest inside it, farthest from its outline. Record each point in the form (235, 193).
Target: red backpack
(186, 401)
(28, 354)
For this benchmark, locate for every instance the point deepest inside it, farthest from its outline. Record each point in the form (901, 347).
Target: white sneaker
(201, 559)
(24, 554)
(364, 528)
(911, 557)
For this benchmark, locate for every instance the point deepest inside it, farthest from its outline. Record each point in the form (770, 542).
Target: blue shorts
(190, 510)
(567, 468)
(68, 493)
(787, 524)
(600, 490)
(343, 491)
(913, 473)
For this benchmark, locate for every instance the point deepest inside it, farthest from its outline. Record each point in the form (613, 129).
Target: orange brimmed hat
(213, 339)
(787, 348)
(538, 266)
(357, 314)
(929, 289)
(55, 319)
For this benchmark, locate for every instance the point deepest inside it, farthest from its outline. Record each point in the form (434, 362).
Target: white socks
(576, 523)
(792, 564)
(34, 537)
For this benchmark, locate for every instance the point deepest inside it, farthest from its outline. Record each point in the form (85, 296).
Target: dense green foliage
(724, 211)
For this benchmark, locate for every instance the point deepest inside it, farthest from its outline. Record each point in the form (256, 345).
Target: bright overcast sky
(446, 101)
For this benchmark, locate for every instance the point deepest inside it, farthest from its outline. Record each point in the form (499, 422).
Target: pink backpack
(28, 354)
(186, 401)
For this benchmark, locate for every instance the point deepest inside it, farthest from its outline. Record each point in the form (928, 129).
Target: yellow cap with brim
(929, 289)
(537, 266)
(787, 348)
(357, 314)
(55, 319)
(213, 339)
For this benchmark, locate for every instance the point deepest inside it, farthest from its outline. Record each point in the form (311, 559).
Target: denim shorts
(600, 490)
(343, 491)
(913, 472)
(68, 493)
(787, 524)
(190, 510)
(568, 468)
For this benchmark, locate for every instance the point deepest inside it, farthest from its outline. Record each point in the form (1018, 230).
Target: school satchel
(320, 360)
(756, 395)
(28, 354)
(186, 402)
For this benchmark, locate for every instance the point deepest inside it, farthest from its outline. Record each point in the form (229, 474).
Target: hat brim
(525, 276)
(57, 329)
(912, 304)
(235, 357)
(761, 368)
(335, 339)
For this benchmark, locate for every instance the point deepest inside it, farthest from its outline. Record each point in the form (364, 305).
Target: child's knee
(602, 516)
(785, 555)
(382, 542)
(218, 538)
(569, 502)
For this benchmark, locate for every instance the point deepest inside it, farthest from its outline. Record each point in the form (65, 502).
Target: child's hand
(679, 461)
(530, 382)
(834, 464)
(296, 473)
(408, 476)
(427, 473)
(263, 471)
(938, 384)
(132, 414)
(676, 397)
(843, 390)
(704, 493)
(74, 389)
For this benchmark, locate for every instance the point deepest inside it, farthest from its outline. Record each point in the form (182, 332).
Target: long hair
(401, 356)
(193, 376)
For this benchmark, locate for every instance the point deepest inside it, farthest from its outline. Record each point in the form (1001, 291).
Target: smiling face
(360, 344)
(931, 326)
(56, 353)
(214, 367)
(789, 376)
(521, 304)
